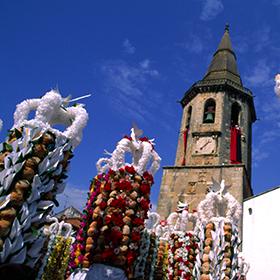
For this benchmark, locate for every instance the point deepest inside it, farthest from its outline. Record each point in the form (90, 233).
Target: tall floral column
(55, 261)
(117, 207)
(33, 168)
(219, 215)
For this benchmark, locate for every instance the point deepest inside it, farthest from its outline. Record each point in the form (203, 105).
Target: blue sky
(138, 58)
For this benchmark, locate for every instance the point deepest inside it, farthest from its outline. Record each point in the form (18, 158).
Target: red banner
(235, 145)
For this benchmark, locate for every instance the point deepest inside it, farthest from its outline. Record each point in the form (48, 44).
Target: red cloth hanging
(185, 137)
(235, 145)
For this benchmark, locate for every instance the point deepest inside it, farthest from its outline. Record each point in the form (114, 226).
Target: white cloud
(270, 109)
(258, 155)
(128, 47)
(145, 64)
(258, 40)
(269, 136)
(260, 75)
(193, 44)
(276, 2)
(262, 38)
(277, 85)
(72, 196)
(127, 84)
(241, 44)
(210, 9)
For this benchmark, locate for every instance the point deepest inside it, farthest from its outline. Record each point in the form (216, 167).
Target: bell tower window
(209, 111)
(235, 114)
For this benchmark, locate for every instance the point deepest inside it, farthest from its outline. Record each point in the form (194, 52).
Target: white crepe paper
(141, 150)
(51, 110)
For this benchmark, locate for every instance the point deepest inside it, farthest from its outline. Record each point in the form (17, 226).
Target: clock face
(205, 146)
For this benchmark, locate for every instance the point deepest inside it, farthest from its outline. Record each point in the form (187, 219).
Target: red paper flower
(99, 221)
(147, 176)
(119, 203)
(130, 257)
(135, 236)
(130, 169)
(117, 219)
(107, 187)
(138, 222)
(179, 273)
(145, 204)
(111, 172)
(145, 188)
(125, 185)
(106, 254)
(144, 139)
(180, 259)
(108, 219)
(121, 170)
(128, 137)
(116, 236)
(102, 205)
(189, 234)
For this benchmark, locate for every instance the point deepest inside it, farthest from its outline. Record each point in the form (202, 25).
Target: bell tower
(215, 138)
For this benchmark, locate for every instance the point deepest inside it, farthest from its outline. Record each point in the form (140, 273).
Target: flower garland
(181, 255)
(139, 270)
(210, 252)
(219, 247)
(161, 267)
(152, 257)
(78, 248)
(58, 259)
(51, 244)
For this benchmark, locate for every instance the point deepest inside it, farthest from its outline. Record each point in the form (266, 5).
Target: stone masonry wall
(190, 184)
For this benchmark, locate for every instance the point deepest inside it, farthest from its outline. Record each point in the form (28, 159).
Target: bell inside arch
(209, 115)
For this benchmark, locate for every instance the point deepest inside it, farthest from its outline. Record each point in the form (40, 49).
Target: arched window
(235, 114)
(209, 111)
(189, 115)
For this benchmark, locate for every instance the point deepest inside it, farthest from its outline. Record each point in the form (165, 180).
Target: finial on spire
(227, 27)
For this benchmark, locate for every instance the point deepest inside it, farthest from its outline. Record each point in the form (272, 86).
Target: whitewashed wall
(261, 235)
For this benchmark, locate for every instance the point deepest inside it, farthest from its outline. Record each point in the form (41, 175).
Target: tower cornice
(220, 85)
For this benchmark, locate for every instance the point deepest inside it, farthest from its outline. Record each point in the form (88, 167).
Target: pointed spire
(223, 64)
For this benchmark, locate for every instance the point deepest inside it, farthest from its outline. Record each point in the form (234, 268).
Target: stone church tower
(215, 138)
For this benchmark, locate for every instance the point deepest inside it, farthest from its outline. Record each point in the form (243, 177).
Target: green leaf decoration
(18, 133)
(7, 147)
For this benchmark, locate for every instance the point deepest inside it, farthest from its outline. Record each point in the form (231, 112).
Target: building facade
(215, 138)
(261, 229)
